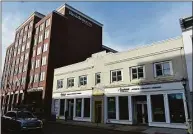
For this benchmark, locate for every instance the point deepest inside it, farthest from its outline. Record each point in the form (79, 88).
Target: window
(20, 69)
(158, 110)
(62, 102)
(35, 41)
(34, 52)
(111, 103)
(37, 28)
(82, 80)
(37, 63)
(116, 75)
(23, 80)
(31, 24)
(163, 68)
(16, 44)
(45, 47)
(47, 32)
(20, 41)
(15, 53)
(47, 22)
(86, 107)
(60, 83)
(97, 78)
(41, 26)
(70, 82)
(18, 51)
(78, 107)
(176, 106)
(21, 59)
(42, 76)
(26, 28)
(23, 48)
(31, 79)
(25, 68)
(29, 34)
(10, 114)
(21, 32)
(26, 56)
(40, 38)
(36, 78)
(32, 65)
(24, 38)
(123, 108)
(44, 60)
(28, 45)
(137, 72)
(39, 50)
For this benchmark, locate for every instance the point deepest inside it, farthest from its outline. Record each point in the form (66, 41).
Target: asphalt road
(53, 128)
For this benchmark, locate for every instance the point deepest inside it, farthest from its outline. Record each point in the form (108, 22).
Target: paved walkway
(128, 128)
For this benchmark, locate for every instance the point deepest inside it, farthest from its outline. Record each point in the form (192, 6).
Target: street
(55, 128)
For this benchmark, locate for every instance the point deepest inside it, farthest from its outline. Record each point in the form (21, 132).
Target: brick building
(43, 43)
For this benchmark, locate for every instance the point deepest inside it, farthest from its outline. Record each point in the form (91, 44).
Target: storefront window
(62, 102)
(111, 102)
(78, 107)
(123, 108)
(86, 107)
(176, 106)
(158, 110)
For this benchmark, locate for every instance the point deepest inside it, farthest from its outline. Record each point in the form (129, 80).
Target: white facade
(134, 77)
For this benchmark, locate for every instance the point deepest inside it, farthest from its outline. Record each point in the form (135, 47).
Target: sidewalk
(127, 128)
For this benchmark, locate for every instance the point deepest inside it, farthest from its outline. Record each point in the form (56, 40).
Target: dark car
(19, 121)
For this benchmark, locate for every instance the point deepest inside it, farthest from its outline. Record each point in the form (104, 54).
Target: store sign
(80, 18)
(68, 94)
(34, 89)
(137, 88)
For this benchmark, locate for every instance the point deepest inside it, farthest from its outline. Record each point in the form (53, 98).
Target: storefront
(161, 105)
(77, 104)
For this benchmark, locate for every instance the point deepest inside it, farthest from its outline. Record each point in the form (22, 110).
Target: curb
(95, 127)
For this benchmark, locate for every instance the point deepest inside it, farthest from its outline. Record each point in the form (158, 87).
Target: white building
(139, 86)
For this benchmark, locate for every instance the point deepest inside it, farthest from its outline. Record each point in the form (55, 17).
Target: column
(130, 108)
(58, 114)
(149, 109)
(91, 108)
(8, 101)
(167, 110)
(74, 112)
(117, 107)
(185, 106)
(105, 109)
(82, 108)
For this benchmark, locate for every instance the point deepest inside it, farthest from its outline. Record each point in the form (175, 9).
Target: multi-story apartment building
(42, 43)
(139, 86)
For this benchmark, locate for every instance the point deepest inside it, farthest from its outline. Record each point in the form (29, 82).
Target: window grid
(70, 82)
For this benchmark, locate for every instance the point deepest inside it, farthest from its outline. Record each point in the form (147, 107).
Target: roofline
(110, 49)
(80, 13)
(32, 15)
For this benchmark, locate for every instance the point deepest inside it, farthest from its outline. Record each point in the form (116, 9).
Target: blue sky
(126, 24)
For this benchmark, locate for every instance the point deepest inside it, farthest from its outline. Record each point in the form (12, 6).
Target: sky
(126, 24)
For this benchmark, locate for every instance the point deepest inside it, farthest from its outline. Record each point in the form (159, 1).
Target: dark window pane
(159, 73)
(78, 107)
(176, 106)
(134, 76)
(111, 107)
(86, 107)
(158, 67)
(62, 102)
(123, 108)
(119, 78)
(158, 111)
(113, 74)
(140, 70)
(118, 72)
(140, 75)
(134, 70)
(114, 79)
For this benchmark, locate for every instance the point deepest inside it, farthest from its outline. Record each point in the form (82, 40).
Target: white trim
(149, 108)
(82, 108)
(117, 107)
(82, 119)
(185, 106)
(130, 102)
(166, 107)
(119, 121)
(168, 125)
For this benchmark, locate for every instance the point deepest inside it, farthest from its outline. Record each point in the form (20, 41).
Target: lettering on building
(80, 18)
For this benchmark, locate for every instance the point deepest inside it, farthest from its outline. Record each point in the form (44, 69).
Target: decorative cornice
(142, 56)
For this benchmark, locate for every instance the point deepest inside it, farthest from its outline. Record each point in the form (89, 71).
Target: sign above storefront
(35, 89)
(80, 18)
(68, 94)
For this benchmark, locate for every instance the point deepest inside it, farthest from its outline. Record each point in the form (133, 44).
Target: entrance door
(142, 113)
(98, 111)
(70, 109)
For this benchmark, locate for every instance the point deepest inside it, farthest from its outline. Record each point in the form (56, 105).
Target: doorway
(141, 110)
(98, 112)
(70, 105)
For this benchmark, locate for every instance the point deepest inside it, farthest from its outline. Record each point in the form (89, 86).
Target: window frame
(99, 73)
(162, 62)
(83, 80)
(68, 80)
(136, 67)
(116, 70)
(60, 85)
